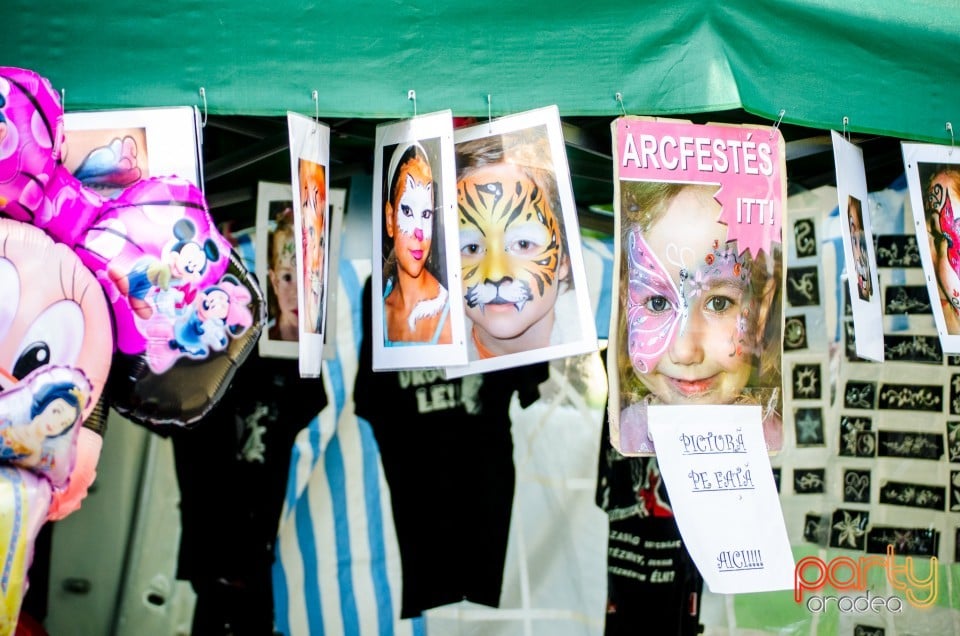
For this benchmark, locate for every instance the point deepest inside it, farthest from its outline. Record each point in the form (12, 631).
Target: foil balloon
(31, 134)
(24, 500)
(54, 313)
(156, 253)
(188, 364)
(140, 290)
(153, 248)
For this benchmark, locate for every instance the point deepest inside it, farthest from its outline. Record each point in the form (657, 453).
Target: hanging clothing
(653, 585)
(447, 455)
(232, 470)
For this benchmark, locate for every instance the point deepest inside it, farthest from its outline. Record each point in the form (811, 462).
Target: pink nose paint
(418, 233)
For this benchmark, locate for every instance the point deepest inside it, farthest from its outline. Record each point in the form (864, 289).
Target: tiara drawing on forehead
(398, 153)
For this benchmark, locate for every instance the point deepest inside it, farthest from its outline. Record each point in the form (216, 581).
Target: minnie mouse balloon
(54, 312)
(31, 134)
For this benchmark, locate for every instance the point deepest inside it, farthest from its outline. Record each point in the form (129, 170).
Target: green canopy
(888, 66)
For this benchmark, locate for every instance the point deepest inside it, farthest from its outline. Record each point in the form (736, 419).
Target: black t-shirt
(232, 469)
(653, 585)
(447, 455)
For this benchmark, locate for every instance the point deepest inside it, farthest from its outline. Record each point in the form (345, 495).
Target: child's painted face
(283, 273)
(52, 313)
(410, 222)
(692, 319)
(313, 205)
(510, 249)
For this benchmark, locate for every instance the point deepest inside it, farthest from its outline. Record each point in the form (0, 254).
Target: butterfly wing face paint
(948, 225)
(655, 309)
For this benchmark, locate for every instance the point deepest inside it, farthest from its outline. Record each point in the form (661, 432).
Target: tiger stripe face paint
(510, 246)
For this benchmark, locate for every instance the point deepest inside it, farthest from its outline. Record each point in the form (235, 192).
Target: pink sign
(744, 161)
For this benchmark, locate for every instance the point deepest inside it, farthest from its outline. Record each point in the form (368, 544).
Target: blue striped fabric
(337, 569)
(338, 566)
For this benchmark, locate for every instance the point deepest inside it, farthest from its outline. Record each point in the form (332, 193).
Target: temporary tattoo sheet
(717, 472)
(699, 271)
(309, 169)
(872, 451)
(863, 284)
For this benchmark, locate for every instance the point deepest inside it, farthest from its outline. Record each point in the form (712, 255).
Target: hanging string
(776, 126)
(619, 97)
(203, 95)
(846, 133)
(412, 95)
(950, 130)
(316, 111)
(489, 114)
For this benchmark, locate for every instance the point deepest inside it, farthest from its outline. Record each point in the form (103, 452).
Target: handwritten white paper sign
(715, 466)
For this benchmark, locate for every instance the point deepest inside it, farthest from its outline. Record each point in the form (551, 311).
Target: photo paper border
(586, 341)
(268, 192)
(852, 182)
(438, 129)
(170, 131)
(310, 140)
(337, 204)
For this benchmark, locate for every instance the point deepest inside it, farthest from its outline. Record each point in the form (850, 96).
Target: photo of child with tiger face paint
(515, 260)
(700, 320)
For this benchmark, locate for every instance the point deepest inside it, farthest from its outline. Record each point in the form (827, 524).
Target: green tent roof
(889, 67)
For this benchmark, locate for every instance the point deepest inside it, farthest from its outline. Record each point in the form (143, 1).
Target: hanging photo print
(699, 273)
(524, 284)
(108, 151)
(933, 176)
(276, 266)
(309, 165)
(861, 261)
(418, 321)
(337, 203)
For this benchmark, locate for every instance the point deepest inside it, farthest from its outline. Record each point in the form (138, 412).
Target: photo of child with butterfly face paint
(700, 321)
(941, 203)
(514, 252)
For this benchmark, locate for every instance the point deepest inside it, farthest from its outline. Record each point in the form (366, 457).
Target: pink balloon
(31, 137)
(153, 249)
